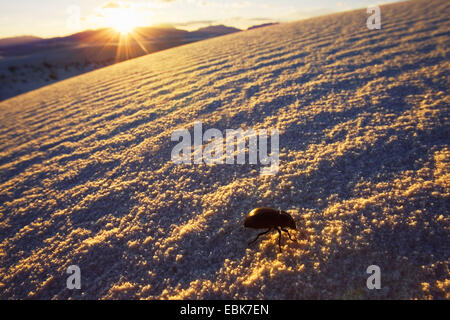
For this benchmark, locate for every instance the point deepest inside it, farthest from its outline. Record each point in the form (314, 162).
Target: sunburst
(123, 20)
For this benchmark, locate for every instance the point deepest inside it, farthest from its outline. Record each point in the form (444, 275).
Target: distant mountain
(18, 40)
(213, 31)
(262, 25)
(157, 38)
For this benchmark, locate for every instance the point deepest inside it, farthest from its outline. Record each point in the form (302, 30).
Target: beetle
(261, 218)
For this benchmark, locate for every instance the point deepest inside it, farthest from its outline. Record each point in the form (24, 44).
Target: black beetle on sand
(261, 218)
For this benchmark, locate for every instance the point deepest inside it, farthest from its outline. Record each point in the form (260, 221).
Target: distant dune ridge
(18, 41)
(28, 63)
(86, 177)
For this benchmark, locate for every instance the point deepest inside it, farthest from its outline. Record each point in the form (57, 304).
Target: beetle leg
(285, 230)
(259, 235)
(279, 239)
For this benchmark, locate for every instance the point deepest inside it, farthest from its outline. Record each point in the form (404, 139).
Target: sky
(49, 18)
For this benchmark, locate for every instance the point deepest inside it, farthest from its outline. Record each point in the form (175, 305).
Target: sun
(125, 27)
(122, 20)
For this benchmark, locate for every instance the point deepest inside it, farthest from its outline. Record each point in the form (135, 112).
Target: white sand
(86, 176)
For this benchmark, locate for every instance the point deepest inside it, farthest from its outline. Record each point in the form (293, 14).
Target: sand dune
(363, 116)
